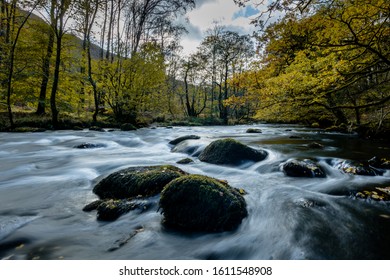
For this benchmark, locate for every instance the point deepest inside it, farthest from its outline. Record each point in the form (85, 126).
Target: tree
(328, 55)
(14, 20)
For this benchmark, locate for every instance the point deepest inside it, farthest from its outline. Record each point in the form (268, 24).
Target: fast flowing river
(45, 182)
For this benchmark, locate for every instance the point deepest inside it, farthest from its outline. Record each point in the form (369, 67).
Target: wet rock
(189, 147)
(112, 209)
(200, 203)
(315, 145)
(185, 161)
(253, 130)
(128, 127)
(295, 137)
(135, 181)
(89, 146)
(382, 163)
(96, 128)
(303, 168)
(230, 151)
(378, 194)
(183, 138)
(357, 168)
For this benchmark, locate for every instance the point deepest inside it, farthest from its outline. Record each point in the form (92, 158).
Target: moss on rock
(230, 151)
(137, 181)
(112, 209)
(200, 203)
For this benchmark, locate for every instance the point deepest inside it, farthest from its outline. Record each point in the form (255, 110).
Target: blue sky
(207, 12)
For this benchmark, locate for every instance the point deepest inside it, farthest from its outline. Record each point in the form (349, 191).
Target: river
(45, 183)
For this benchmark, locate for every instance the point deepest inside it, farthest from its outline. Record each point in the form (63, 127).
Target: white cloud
(207, 12)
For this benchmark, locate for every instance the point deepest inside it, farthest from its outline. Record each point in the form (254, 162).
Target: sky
(207, 12)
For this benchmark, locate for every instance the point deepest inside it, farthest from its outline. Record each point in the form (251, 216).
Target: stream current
(45, 182)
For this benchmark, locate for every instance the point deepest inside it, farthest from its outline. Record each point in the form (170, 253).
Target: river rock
(185, 161)
(378, 194)
(189, 147)
(382, 163)
(137, 181)
(200, 203)
(89, 146)
(315, 145)
(230, 151)
(357, 168)
(254, 130)
(183, 138)
(128, 127)
(303, 168)
(112, 209)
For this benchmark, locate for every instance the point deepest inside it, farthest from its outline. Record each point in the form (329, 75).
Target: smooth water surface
(45, 182)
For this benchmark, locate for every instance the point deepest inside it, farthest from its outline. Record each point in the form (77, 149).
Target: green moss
(201, 203)
(230, 151)
(137, 181)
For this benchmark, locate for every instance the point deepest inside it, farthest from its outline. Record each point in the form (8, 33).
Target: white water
(45, 182)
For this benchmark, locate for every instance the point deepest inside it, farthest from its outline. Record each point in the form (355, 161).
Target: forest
(110, 62)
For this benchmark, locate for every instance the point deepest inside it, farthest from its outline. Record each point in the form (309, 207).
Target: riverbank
(31, 122)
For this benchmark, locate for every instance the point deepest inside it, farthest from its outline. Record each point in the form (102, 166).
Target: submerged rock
(111, 209)
(183, 138)
(382, 163)
(357, 168)
(137, 181)
(185, 161)
(254, 130)
(230, 151)
(200, 203)
(89, 146)
(315, 145)
(303, 168)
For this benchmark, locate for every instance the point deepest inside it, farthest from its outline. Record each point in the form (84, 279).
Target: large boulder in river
(137, 181)
(200, 203)
(357, 168)
(183, 138)
(303, 168)
(230, 151)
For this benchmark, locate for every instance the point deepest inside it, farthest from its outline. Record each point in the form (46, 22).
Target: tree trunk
(45, 75)
(56, 78)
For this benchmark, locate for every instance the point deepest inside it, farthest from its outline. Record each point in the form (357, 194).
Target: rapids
(45, 182)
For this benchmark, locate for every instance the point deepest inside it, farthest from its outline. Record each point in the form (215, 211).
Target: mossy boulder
(183, 138)
(200, 203)
(303, 168)
(112, 209)
(137, 181)
(357, 168)
(231, 152)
